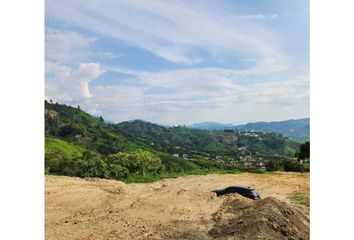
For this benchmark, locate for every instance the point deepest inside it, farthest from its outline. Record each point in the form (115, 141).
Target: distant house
(263, 168)
(247, 159)
(243, 148)
(184, 155)
(176, 155)
(247, 164)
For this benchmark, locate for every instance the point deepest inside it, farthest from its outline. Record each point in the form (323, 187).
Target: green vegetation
(300, 198)
(75, 126)
(59, 153)
(55, 146)
(287, 166)
(78, 144)
(195, 142)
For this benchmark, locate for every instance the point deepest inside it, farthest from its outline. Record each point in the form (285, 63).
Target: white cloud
(65, 84)
(212, 94)
(182, 96)
(66, 46)
(174, 30)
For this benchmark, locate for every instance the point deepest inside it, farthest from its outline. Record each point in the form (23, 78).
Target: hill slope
(76, 126)
(78, 144)
(183, 140)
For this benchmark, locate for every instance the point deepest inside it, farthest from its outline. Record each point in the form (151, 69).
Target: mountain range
(297, 129)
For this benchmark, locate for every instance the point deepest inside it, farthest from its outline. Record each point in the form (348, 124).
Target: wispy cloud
(258, 16)
(188, 61)
(173, 30)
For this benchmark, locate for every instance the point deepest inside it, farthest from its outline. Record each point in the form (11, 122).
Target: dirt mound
(269, 218)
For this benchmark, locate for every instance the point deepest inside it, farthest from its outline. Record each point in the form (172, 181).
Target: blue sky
(179, 62)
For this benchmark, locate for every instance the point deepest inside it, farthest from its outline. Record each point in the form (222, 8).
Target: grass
(53, 146)
(300, 198)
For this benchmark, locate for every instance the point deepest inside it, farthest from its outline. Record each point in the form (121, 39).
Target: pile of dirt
(239, 218)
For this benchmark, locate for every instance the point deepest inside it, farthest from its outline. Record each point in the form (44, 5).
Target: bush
(292, 166)
(173, 164)
(62, 165)
(274, 166)
(118, 172)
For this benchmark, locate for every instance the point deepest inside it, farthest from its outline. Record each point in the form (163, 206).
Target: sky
(179, 62)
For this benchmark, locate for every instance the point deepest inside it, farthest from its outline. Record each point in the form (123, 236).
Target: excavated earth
(179, 208)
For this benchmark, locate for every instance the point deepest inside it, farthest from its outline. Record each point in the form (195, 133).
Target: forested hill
(76, 126)
(181, 140)
(79, 144)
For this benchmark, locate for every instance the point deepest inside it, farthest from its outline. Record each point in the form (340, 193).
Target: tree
(304, 151)
(139, 162)
(92, 164)
(72, 129)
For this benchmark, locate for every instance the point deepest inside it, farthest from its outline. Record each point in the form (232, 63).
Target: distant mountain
(298, 129)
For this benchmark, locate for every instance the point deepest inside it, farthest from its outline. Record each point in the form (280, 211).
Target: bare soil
(180, 208)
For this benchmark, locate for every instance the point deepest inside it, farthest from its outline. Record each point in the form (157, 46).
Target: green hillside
(229, 143)
(78, 144)
(73, 125)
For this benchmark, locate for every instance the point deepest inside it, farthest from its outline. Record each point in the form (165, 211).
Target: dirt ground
(180, 208)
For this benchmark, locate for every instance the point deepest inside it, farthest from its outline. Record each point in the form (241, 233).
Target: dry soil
(180, 208)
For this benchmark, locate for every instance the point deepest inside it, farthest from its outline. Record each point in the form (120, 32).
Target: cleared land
(180, 208)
